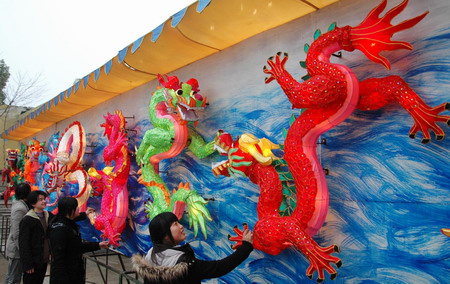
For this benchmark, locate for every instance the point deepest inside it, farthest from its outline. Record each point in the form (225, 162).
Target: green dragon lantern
(172, 108)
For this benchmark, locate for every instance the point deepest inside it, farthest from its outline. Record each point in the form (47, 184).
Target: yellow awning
(202, 29)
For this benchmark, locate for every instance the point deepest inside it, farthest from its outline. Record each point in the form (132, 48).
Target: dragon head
(114, 123)
(183, 99)
(54, 175)
(115, 131)
(12, 155)
(34, 149)
(242, 153)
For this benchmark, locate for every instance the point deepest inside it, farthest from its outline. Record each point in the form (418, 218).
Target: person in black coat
(66, 245)
(167, 262)
(33, 243)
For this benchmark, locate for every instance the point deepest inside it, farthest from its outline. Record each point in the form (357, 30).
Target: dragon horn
(194, 83)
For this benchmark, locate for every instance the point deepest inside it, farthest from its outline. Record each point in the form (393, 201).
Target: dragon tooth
(219, 149)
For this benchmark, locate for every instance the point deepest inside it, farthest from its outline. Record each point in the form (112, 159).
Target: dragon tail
(373, 34)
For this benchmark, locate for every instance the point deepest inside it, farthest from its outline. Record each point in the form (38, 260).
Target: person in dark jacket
(33, 243)
(167, 262)
(66, 245)
(19, 209)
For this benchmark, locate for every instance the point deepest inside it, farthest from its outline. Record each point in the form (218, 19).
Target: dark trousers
(37, 277)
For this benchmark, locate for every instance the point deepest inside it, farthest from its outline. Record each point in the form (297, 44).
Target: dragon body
(66, 165)
(111, 182)
(11, 174)
(47, 180)
(172, 108)
(330, 95)
(273, 232)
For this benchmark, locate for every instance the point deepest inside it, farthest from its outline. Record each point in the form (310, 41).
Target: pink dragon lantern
(111, 182)
(329, 96)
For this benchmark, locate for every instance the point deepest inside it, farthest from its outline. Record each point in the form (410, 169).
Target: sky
(59, 41)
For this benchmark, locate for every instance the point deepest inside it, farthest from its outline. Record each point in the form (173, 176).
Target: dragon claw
(412, 136)
(339, 264)
(447, 106)
(319, 280)
(239, 235)
(276, 67)
(336, 249)
(333, 276)
(440, 137)
(309, 276)
(425, 141)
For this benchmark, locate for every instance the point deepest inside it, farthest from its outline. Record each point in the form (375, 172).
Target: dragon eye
(179, 92)
(196, 95)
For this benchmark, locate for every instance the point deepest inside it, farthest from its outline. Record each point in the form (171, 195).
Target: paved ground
(94, 273)
(3, 268)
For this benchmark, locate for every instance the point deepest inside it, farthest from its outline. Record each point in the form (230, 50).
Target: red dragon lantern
(328, 97)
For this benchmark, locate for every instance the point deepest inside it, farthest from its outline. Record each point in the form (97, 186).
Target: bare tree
(4, 77)
(19, 93)
(23, 90)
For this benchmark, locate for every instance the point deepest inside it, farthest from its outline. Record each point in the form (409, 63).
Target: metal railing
(119, 275)
(5, 223)
(4, 233)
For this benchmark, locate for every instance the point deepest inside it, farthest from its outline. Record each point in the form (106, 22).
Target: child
(167, 262)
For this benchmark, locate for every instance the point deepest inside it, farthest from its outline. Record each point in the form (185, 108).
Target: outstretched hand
(241, 235)
(247, 236)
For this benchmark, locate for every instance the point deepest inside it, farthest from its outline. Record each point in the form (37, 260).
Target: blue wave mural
(389, 194)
